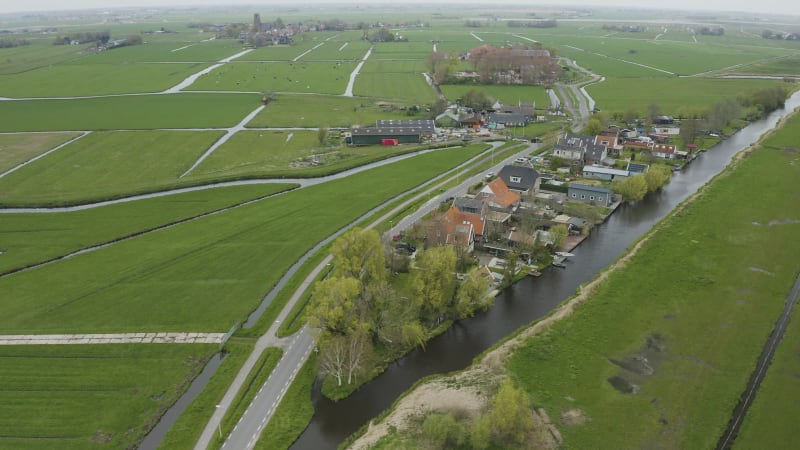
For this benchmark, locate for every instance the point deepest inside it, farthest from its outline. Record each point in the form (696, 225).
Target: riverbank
(560, 368)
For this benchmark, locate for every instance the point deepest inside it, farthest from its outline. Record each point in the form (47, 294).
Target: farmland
(141, 120)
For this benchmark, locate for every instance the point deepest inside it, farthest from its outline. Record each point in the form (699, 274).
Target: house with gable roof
(523, 180)
(498, 196)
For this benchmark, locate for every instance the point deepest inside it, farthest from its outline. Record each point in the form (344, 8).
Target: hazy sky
(767, 6)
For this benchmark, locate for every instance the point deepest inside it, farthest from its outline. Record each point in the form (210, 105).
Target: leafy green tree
(359, 254)
(632, 188)
(510, 414)
(434, 283)
(471, 295)
(334, 307)
(322, 135)
(593, 127)
(480, 433)
(559, 234)
(444, 431)
(476, 99)
(657, 176)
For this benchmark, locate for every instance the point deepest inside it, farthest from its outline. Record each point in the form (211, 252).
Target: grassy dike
(656, 349)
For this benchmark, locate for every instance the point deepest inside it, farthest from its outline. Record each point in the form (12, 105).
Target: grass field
(409, 87)
(697, 301)
(39, 54)
(173, 51)
(32, 238)
(102, 396)
(207, 274)
(129, 113)
(302, 76)
(673, 95)
(322, 110)
(15, 149)
(105, 165)
(335, 49)
(777, 66)
(68, 80)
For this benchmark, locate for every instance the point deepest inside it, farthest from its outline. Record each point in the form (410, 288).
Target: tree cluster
(477, 100)
(516, 65)
(625, 28)
(84, 37)
(473, 23)
(636, 187)
(708, 31)
(356, 309)
(780, 35)
(11, 43)
(441, 66)
(507, 423)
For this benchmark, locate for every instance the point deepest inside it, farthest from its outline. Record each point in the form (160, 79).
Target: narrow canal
(526, 301)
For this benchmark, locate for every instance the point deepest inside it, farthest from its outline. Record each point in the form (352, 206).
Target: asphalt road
(246, 433)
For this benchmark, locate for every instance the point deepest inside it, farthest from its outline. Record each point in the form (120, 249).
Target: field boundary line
(38, 157)
(120, 338)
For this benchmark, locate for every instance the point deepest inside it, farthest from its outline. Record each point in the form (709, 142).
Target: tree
(358, 254)
(471, 294)
(444, 431)
(334, 307)
(559, 234)
(476, 100)
(510, 414)
(657, 176)
(480, 433)
(332, 351)
(344, 356)
(322, 135)
(438, 107)
(689, 130)
(434, 283)
(593, 127)
(630, 115)
(632, 188)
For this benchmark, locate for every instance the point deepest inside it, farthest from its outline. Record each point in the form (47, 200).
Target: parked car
(405, 246)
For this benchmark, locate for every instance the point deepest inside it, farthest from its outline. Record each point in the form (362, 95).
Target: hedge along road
(258, 414)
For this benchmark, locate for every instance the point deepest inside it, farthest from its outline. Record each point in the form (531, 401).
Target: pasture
(291, 110)
(673, 95)
(82, 396)
(301, 76)
(711, 270)
(169, 51)
(207, 274)
(301, 44)
(32, 238)
(406, 87)
(508, 95)
(106, 165)
(15, 149)
(189, 110)
(77, 80)
(337, 50)
(38, 54)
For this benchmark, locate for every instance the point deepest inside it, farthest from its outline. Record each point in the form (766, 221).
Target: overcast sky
(767, 6)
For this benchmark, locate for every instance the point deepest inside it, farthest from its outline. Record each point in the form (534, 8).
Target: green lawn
(302, 76)
(207, 274)
(336, 49)
(67, 80)
(106, 165)
(322, 110)
(509, 95)
(81, 396)
(128, 113)
(173, 51)
(698, 301)
(15, 149)
(35, 237)
(38, 54)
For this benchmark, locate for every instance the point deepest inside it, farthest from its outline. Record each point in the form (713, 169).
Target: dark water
(526, 301)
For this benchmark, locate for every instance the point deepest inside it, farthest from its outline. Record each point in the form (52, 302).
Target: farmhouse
(590, 194)
(503, 119)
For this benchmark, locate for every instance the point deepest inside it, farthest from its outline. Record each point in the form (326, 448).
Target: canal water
(526, 301)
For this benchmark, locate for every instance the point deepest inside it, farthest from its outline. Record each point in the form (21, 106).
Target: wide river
(526, 301)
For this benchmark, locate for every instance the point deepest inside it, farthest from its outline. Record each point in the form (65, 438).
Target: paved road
(246, 432)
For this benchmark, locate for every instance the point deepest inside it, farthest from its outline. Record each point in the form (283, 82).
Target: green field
(39, 54)
(68, 80)
(673, 95)
(508, 95)
(36, 237)
(776, 66)
(128, 113)
(203, 275)
(322, 110)
(335, 49)
(410, 87)
(173, 51)
(307, 77)
(106, 165)
(81, 396)
(15, 149)
(698, 301)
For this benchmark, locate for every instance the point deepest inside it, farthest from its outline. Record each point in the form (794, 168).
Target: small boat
(564, 254)
(559, 261)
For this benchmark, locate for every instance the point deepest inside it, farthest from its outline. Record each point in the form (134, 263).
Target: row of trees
(357, 309)
(84, 37)
(11, 43)
(549, 23)
(636, 187)
(516, 65)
